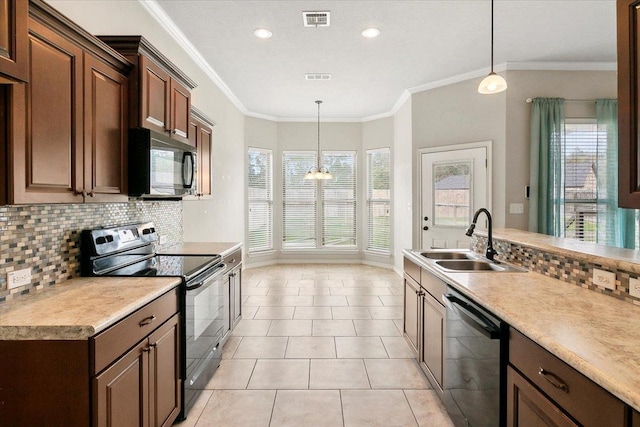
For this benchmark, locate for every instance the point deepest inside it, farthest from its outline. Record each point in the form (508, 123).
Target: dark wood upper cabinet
(66, 136)
(159, 93)
(46, 151)
(105, 128)
(201, 135)
(628, 103)
(14, 63)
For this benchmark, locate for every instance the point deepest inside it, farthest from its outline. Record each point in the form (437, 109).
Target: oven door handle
(469, 314)
(218, 270)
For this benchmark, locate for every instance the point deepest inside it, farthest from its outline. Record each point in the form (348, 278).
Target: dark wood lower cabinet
(636, 419)
(142, 388)
(526, 406)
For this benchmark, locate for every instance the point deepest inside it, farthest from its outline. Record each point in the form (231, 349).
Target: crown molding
(157, 13)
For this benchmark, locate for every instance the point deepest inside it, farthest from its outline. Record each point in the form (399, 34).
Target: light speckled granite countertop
(201, 248)
(596, 334)
(78, 308)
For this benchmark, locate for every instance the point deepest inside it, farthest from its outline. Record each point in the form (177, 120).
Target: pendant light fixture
(318, 172)
(493, 83)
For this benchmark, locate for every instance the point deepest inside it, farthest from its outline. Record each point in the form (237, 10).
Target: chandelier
(318, 172)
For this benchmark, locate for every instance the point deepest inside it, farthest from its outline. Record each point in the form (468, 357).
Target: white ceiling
(422, 43)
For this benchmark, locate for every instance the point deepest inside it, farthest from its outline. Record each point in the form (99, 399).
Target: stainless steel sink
(475, 265)
(447, 255)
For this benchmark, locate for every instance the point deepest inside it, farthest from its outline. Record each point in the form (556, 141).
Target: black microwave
(160, 167)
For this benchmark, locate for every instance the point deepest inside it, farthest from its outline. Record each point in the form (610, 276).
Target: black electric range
(204, 304)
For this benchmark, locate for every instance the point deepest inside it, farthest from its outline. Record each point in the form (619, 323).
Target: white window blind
(379, 200)
(260, 185)
(339, 200)
(580, 166)
(299, 196)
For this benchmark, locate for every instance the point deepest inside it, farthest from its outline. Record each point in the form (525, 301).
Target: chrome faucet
(490, 251)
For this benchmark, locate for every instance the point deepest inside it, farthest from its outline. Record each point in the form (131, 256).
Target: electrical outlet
(18, 278)
(603, 278)
(634, 287)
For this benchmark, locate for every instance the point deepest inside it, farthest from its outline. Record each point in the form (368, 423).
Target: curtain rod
(530, 100)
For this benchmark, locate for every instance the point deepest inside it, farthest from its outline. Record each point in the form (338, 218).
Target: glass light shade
(321, 174)
(493, 83)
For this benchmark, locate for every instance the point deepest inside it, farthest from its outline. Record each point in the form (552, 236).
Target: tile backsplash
(559, 266)
(46, 238)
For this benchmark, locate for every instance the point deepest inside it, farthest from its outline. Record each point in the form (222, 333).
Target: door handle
(425, 228)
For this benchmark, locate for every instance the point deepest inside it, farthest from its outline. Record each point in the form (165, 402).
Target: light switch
(634, 287)
(603, 278)
(516, 208)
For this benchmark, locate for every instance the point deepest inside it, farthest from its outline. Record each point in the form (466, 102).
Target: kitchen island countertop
(596, 334)
(78, 308)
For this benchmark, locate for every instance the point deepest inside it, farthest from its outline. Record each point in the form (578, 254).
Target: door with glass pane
(453, 185)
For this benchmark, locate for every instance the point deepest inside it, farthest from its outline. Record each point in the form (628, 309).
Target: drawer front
(412, 269)
(433, 285)
(233, 259)
(584, 400)
(108, 345)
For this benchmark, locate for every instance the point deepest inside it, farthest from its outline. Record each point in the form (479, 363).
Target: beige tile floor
(319, 345)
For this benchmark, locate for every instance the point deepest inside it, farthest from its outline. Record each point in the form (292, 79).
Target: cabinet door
(526, 406)
(628, 24)
(636, 419)
(237, 294)
(204, 160)
(46, 152)
(411, 297)
(164, 369)
(14, 45)
(105, 92)
(433, 337)
(121, 392)
(180, 111)
(155, 97)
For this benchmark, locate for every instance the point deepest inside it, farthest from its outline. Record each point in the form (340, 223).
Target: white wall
(205, 220)
(402, 183)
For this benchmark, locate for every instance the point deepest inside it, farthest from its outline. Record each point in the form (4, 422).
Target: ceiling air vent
(316, 18)
(317, 76)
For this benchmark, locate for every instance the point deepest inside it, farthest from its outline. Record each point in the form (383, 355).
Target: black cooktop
(169, 265)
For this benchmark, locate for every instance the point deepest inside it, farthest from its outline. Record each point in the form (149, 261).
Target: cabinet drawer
(433, 285)
(233, 259)
(583, 399)
(412, 269)
(108, 345)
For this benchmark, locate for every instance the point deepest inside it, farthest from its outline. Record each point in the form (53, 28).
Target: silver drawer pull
(554, 380)
(146, 321)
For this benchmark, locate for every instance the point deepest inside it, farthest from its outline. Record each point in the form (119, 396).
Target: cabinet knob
(79, 193)
(174, 131)
(92, 194)
(425, 228)
(426, 218)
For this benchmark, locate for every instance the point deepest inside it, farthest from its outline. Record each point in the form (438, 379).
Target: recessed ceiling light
(262, 33)
(371, 33)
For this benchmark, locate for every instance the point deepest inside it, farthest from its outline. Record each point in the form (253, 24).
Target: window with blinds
(379, 200)
(299, 205)
(260, 189)
(339, 200)
(580, 166)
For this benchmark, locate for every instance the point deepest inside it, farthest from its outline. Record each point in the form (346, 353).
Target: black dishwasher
(476, 346)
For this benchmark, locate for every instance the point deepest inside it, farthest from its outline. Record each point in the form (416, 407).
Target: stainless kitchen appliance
(160, 167)
(129, 251)
(476, 350)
